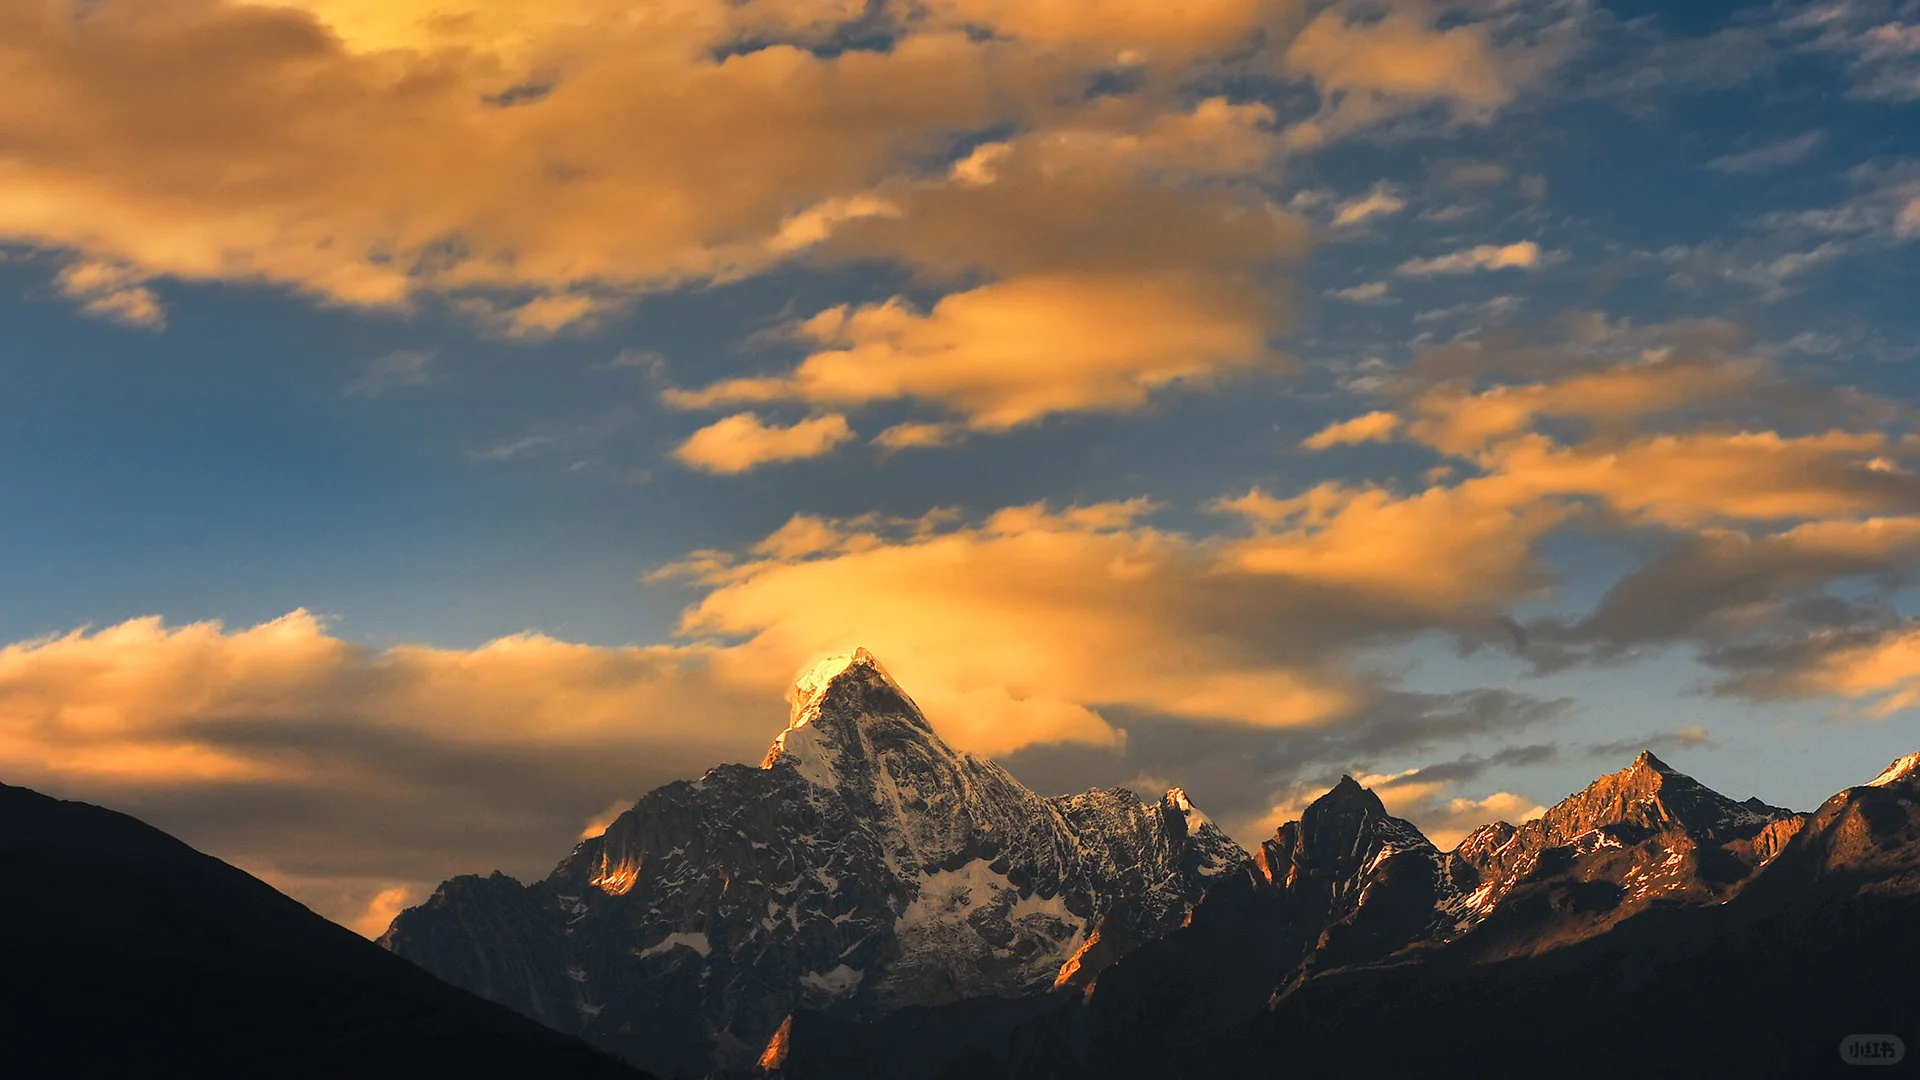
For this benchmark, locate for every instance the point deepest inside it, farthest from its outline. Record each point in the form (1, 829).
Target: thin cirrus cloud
(911, 436)
(1522, 255)
(1368, 69)
(1370, 292)
(1880, 41)
(396, 370)
(1377, 426)
(1382, 201)
(1773, 155)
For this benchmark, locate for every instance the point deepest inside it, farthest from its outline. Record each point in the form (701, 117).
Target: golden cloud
(1691, 480)
(1883, 671)
(1376, 426)
(743, 441)
(314, 149)
(1457, 420)
(1446, 819)
(1400, 55)
(112, 292)
(1380, 202)
(352, 772)
(1447, 551)
(1122, 259)
(1015, 630)
(1705, 473)
(309, 144)
(1522, 255)
(911, 435)
(1012, 352)
(1369, 68)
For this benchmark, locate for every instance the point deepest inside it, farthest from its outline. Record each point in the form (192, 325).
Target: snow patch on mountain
(838, 983)
(696, 942)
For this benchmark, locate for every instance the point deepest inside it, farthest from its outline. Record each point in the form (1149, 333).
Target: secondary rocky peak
(1338, 820)
(1901, 769)
(1650, 794)
(1338, 836)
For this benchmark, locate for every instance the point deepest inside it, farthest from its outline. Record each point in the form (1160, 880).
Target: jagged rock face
(1349, 885)
(1760, 971)
(1643, 836)
(864, 866)
(1864, 838)
(1368, 880)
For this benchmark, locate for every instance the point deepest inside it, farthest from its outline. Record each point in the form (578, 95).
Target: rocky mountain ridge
(1645, 887)
(863, 867)
(870, 902)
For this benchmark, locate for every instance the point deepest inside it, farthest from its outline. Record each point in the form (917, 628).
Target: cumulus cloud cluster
(343, 773)
(1787, 515)
(539, 165)
(1078, 208)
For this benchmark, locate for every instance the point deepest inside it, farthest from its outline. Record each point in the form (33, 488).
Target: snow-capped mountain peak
(865, 866)
(1176, 800)
(832, 702)
(810, 685)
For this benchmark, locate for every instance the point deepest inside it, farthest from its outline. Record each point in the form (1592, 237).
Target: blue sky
(237, 383)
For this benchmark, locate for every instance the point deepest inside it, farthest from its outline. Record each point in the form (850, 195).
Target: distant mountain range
(871, 903)
(124, 952)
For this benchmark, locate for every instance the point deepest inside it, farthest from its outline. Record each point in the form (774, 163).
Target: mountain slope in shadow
(1645, 927)
(125, 949)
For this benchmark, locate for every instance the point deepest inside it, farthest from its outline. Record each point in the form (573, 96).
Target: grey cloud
(385, 807)
(1686, 738)
(1878, 40)
(1472, 767)
(1786, 665)
(394, 371)
(1710, 588)
(1238, 774)
(1773, 155)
